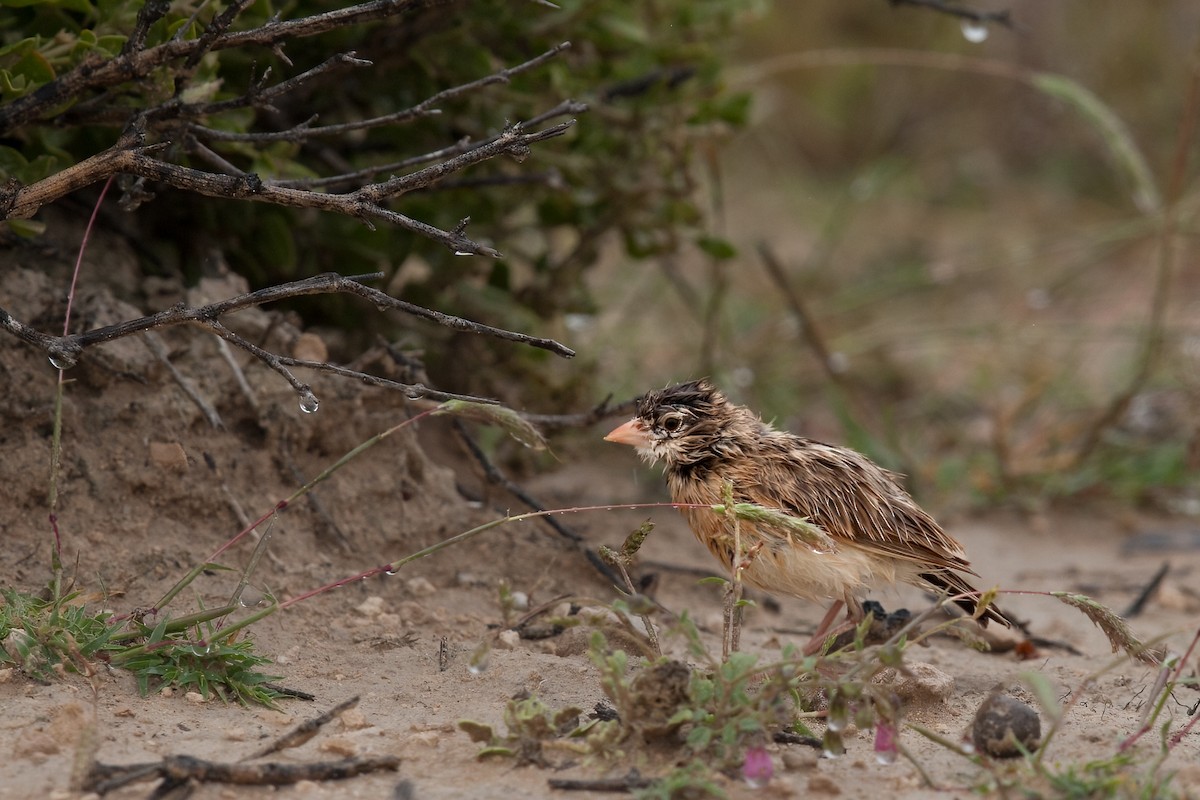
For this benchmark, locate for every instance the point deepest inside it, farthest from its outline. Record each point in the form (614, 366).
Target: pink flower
(757, 769)
(885, 742)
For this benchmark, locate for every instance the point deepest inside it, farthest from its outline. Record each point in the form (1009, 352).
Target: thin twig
(314, 500)
(631, 781)
(425, 108)
(584, 418)
(155, 345)
(496, 477)
(1139, 602)
(96, 73)
(362, 204)
(951, 9)
(808, 324)
(566, 108)
(68, 348)
(305, 730)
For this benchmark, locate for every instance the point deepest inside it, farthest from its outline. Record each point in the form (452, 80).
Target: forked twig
(65, 350)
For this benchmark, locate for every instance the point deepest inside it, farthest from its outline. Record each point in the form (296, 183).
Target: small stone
(371, 607)
(421, 587)
(195, 698)
(310, 347)
(167, 691)
(426, 738)
(797, 759)
(235, 734)
(507, 640)
(6, 675)
(520, 601)
(573, 642)
(1004, 726)
(339, 747)
(924, 683)
(168, 456)
(823, 784)
(354, 720)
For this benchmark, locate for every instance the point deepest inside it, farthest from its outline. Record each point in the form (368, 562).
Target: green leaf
(716, 247)
(699, 737)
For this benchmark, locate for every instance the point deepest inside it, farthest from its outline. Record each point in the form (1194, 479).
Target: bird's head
(685, 424)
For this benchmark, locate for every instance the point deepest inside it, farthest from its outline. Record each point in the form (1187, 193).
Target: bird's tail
(953, 585)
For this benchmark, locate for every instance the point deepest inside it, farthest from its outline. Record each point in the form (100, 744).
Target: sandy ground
(150, 488)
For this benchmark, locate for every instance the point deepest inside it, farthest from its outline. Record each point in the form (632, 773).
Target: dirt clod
(1004, 727)
(920, 684)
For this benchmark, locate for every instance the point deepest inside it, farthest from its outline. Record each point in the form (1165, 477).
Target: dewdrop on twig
(974, 31)
(309, 403)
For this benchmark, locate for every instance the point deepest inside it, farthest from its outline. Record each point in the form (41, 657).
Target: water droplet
(885, 757)
(309, 403)
(249, 598)
(974, 31)
(968, 748)
(838, 715)
(390, 571)
(62, 361)
(832, 745)
(477, 664)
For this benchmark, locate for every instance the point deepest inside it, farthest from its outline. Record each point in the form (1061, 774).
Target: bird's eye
(672, 424)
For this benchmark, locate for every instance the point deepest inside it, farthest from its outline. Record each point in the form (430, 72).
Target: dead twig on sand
(177, 771)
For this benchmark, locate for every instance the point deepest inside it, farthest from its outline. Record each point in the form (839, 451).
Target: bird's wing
(852, 500)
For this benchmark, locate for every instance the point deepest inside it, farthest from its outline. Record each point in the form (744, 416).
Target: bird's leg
(817, 642)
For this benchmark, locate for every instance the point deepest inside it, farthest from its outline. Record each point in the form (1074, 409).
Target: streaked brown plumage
(880, 534)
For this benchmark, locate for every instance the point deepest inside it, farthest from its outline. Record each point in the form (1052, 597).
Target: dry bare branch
(425, 108)
(136, 64)
(362, 203)
(1003, 17)
(64, 351)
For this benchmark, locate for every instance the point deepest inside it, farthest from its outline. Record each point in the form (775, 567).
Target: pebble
(354, 720)
(507, 640)
(371, 607)
(923, 685)
(168, 456)
(1001, 723)
(195, 698)
(800, 757)
(420, 587)
(339, 747)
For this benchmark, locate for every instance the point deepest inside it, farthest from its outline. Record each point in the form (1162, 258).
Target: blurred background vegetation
(985, 249)
(973, 232)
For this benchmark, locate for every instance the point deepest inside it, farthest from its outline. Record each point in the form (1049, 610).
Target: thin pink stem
(87, 234)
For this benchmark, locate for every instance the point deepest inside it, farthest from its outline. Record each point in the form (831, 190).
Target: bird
(714, 450)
